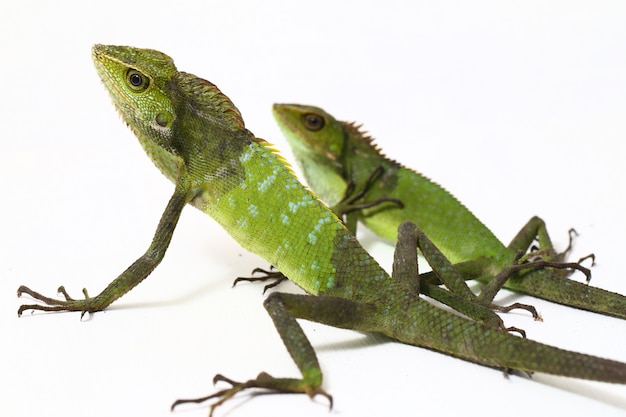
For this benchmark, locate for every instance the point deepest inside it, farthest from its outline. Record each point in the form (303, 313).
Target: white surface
(517, 107)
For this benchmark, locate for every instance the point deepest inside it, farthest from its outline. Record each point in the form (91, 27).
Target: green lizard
(335, 154)
(197, 138)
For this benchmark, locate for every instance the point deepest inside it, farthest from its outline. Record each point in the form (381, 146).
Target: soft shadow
(361, 341)
(581, 388)
(192, 294)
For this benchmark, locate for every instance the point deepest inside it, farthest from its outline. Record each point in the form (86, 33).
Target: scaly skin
(197, 138)
(334, 153)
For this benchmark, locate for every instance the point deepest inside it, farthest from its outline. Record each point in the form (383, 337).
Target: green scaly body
(333, 153)
(196, 137)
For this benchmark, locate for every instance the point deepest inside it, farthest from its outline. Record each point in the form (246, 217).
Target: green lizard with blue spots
(197, 138)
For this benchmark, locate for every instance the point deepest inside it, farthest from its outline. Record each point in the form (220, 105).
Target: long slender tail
(448, 333)
(565, 291)
(536, 357)
(501, 349)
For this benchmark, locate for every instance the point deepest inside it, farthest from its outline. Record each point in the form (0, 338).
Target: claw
(223, 395)
(521, 332)
(263, 381)
(531, 309)
(53, 304)
(540, 263)
(277, 276)
(591, 256)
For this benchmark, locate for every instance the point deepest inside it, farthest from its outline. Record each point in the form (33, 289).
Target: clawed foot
(591, 256)
(52, 304)
(523, 262)
(519, 306)
(538, 254)
(263, 381)
(535, 260)
(352, 199)
(272, 274)
(571, 266)
(513, 329)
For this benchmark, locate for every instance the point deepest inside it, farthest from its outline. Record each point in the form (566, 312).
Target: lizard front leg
(128, 279)
(354, 199)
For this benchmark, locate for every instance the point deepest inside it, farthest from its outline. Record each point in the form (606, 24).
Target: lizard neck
(361, 156)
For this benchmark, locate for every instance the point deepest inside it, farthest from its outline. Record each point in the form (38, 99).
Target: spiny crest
(354, 130)
(270, 147)
(208, 98)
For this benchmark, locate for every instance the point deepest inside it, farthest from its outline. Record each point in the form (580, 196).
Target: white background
(516, 107)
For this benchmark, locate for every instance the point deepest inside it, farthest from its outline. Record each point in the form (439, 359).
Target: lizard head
(184, 123)
(318, 142)
(136, 80)
(311, 130)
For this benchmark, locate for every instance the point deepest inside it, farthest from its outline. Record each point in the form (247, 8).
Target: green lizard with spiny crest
(338, 158)
(197, 138)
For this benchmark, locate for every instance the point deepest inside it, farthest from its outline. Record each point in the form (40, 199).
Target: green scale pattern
(269, 213)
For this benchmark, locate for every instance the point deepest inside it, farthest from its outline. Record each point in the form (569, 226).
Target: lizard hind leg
(458, 295)
(535, 230)
(284, 308)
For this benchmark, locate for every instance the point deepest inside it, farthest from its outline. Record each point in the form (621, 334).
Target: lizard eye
(313, 122)
(137, 81)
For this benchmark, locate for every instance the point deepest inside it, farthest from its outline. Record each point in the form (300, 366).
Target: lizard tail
(475, 342)
(533, 356)
(562, 290)
(501, 349)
